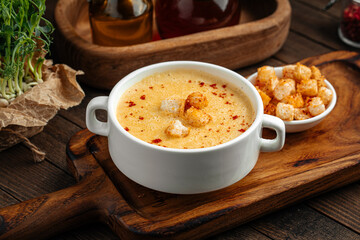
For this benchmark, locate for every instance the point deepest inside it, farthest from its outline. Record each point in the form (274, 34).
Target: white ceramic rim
(182, 65)
(329, 108)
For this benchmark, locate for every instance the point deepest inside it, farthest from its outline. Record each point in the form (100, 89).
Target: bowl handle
(92, 123)
(276, 144)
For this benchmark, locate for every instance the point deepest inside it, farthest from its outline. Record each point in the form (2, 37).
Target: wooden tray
(311, 162)
(262, 32)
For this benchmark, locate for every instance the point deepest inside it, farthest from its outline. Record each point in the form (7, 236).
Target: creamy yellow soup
(139, 110)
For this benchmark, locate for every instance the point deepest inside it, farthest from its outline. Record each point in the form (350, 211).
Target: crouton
(269, 86)
(321, 82)
(196, 117)
(265, 98)
(295, 99)
(315, 106)
(267, 80)
(285, 111)
(289, 71)
(173, 106)
(197, 100)
(301, 114)
(284, 88)
(325, 94)
(315, 73)
(270, 109)
(265, 73)
(177, 129)
(302, 72)
(308, 87)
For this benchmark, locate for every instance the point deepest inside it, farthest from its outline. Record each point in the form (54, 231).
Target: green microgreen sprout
(24, 41)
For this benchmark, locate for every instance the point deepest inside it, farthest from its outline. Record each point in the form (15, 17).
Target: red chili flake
(131, 103)
(142, 97)
(222, 95)
(135, 90)
(157, 140)
(241, 130)
(205, 136)
(221, 123)
(189, 81)
(214, 93)
(224, 86)
(213, 86)
(131, 114)
(185, 148)
(202, 147)
(228, 130)
(151, 88)
(210, 129)
(217, 130)
(142, 107)
(141, 118)
(126, 129)
(227, 102)
(235, 117)
(232, 94)
(125, 116)
(141, 130)
(201, 84)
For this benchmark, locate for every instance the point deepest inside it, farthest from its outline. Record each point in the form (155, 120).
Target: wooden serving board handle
(93, 199)
(352, 58)
(52, 213)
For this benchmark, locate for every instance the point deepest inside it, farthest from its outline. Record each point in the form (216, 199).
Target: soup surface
(140, 110)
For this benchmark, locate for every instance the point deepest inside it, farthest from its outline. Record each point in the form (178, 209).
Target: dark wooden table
(333, 215)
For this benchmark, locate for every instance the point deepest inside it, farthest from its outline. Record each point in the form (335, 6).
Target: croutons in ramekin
(300, 94)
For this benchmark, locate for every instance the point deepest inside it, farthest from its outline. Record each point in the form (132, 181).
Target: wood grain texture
(6, 199)
(301, 223)
(53, 138)
(334, 206)
(38, 179)
(312, 162)
(320, 4)
(242, 232)
(319, 26)
(263, 31)
(64, 209)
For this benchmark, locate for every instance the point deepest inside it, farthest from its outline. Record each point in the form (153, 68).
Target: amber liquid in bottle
(120, 22)
(180, 17)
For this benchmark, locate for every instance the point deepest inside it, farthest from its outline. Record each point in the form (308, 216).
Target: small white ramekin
(302, 125)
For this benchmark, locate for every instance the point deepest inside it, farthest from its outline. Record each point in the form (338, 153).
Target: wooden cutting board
(312, 162)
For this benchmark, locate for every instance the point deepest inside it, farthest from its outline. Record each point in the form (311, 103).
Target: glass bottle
(349, 30)
(180, 17)
(120, 22)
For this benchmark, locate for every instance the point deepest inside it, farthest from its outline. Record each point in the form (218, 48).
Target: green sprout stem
(21, 36)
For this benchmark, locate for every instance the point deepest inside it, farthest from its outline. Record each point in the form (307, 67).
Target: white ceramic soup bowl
(184, 171)
(302, 125)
